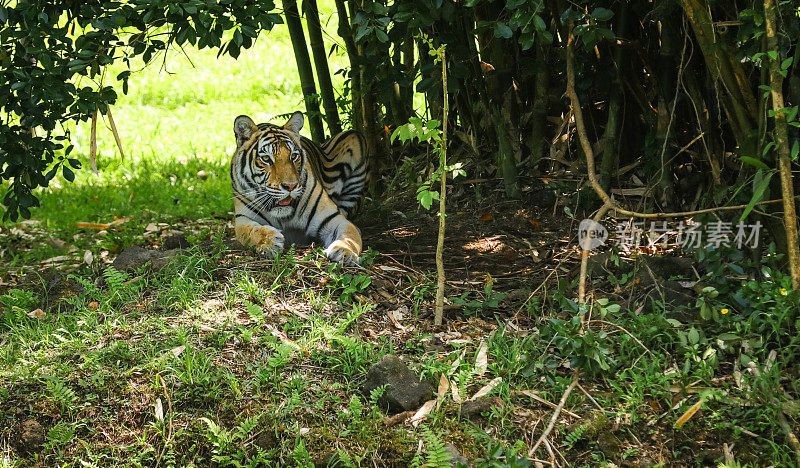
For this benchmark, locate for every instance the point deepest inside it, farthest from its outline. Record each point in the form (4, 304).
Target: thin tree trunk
(782, 144)
(304, 69)
(439, 311)
(321, 64)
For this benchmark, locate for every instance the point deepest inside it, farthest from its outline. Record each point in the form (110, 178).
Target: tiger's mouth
(285, 202)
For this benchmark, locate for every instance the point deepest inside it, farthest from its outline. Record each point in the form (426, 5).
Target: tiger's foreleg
(343, 242)
(263, 237)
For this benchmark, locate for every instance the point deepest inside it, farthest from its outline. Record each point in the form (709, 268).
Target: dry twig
(555, 413)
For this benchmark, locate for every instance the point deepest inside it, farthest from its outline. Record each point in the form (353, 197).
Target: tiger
(287, 189)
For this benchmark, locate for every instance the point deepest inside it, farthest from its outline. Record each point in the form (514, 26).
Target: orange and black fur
(287, 189)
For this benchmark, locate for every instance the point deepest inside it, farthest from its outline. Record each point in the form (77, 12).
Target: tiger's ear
(295, 123)
(243, 128)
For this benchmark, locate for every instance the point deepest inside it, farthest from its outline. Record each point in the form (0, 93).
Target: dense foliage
(52, 69)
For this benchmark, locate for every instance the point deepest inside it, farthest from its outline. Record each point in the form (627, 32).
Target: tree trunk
(321, 64)
(782, 144)
(304, 69)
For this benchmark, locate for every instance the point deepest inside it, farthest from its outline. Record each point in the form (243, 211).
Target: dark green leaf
(602, 14)
(502, 30)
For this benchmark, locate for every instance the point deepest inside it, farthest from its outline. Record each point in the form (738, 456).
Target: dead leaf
(98, 226)
(481, 360)
(37, 314)
(688, 414)
(159, 410)
(486, 217)
(394, 320)
(177, 351)
(303, 431)
(444, 385)
(88, 257)
(455, 392)
(422, 412)
(536, 225)
(486, 389)
(94, 305)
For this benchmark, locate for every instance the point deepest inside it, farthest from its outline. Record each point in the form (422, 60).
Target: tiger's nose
(289, 187)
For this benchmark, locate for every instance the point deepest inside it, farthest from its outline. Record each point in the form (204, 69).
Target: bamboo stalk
(304, 69)
(321, 64)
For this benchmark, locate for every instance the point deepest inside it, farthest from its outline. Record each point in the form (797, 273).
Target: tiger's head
(269, 164)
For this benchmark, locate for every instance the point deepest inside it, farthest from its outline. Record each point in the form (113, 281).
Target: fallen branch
(555, 414)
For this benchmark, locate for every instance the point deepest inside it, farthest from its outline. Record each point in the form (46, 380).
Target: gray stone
(52, 287)
(134, 257)
(404, 390)
(31, 436)
(175, 241)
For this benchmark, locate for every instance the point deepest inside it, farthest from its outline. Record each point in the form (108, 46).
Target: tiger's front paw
(342, 253)
(267, 240)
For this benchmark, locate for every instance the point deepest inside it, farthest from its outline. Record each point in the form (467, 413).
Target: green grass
(224, 358)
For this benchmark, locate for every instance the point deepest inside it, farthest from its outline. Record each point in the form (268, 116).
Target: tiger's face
(270, 169)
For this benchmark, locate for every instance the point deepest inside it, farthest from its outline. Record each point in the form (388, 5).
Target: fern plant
(60, 434)
(574, 436)
(434, 453)
(61, 393)
(115, 280)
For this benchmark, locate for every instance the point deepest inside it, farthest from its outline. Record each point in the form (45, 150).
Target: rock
(134, 257)
(474, 409)
(455, 455)
(175, 241)
(53, 287)
(31, 436)
(404, 390)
